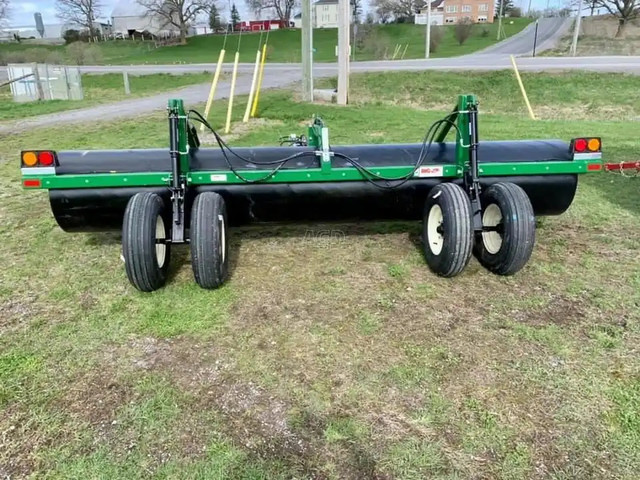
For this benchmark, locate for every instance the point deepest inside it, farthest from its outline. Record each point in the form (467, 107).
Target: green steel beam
(225, 177)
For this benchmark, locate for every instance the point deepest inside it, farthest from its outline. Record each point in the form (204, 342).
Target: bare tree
(282, 8)
(625, 10)
(79, 12)
(179, 13)
(463, 29)
(4, 10)
(397, 9)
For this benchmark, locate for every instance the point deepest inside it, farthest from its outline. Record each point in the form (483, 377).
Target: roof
(128, 8)
(327, 2)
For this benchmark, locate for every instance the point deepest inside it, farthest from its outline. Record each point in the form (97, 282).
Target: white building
(437, 14)
(325, 14)
(129, 16)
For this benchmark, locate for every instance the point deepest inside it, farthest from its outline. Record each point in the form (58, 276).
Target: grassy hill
(284, 46)
(597, 37)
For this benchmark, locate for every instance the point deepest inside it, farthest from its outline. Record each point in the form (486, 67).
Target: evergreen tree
(508, 6)
(235, 16)
(214, 18)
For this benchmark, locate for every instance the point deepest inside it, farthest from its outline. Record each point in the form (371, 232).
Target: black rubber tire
(518, 230)
(142, 263)
(456, 229)
(209, 240)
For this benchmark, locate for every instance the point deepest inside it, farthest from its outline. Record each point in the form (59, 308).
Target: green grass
(98, 89)
(284, 45)
(343, 358)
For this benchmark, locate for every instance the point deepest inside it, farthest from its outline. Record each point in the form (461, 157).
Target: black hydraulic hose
(369, 175)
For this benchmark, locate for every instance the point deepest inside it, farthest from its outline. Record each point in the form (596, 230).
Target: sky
(22, 10)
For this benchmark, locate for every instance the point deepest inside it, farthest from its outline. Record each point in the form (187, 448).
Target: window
(482, 7)
(451, 8)
(450, 20)
(482, 19)
(466, 8)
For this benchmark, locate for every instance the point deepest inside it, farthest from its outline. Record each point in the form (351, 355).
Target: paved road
(279, 75)
(550, 31)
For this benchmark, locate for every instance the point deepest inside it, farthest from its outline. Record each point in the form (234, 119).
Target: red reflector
(46, 158)
(31, 183)
(580, 145)
(594, 167)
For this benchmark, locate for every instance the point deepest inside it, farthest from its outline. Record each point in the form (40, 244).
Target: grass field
(337, 357)
(284, 45)
(98, 89)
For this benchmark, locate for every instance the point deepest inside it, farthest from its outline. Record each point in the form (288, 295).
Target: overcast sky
(22, 10)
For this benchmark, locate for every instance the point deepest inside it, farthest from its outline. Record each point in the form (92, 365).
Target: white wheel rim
(223, 238)
(435, 238)
(161, 248)
(492, 217)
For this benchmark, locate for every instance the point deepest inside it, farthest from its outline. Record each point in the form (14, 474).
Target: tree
(235, 16)
(214, 18)
(357, 10)
(400, 10)
(508, 6)
(282, 8)
(179, 13)
(79, 12)
(4, 10)
(462, 30)
(624, 10)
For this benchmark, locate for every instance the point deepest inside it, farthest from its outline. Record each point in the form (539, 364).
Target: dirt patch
(560, 310)
(256, 420)
(95, 398)
(17, 311)
(261, 417)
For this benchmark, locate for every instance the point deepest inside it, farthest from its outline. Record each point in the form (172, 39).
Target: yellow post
(245, 119)
(212, 92)
(524, 92)
(254, 109)
(227, 127)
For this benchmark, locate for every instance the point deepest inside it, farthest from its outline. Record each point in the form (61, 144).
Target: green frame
(324, 173)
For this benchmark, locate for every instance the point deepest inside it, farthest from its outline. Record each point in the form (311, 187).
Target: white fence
(31, 81)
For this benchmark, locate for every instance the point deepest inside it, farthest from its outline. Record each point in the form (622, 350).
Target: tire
(146, 261)
(209, 240)
(508, 249)
(447, 229)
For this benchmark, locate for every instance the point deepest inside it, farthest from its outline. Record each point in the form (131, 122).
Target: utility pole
(500, 18)
(307, 52)
(427, 47)
(343, 51)
(576, 31)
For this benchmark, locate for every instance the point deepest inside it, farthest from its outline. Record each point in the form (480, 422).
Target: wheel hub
(492, 236)
(435, 238)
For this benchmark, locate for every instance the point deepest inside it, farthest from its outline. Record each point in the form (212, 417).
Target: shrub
(463, 29)
(55, 58)
(84, 54)
(437, 33)
(71, 36)
(485, 32)
(515, 12)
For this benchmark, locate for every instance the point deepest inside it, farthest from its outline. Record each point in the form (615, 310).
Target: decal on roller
(219, 178)
(430, 171)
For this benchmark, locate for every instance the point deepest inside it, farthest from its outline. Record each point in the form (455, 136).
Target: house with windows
(450, 11)
(479, 11)
(436, 14)
(325, 14)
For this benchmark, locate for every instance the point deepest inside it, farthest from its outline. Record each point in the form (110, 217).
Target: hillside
(373, 42)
